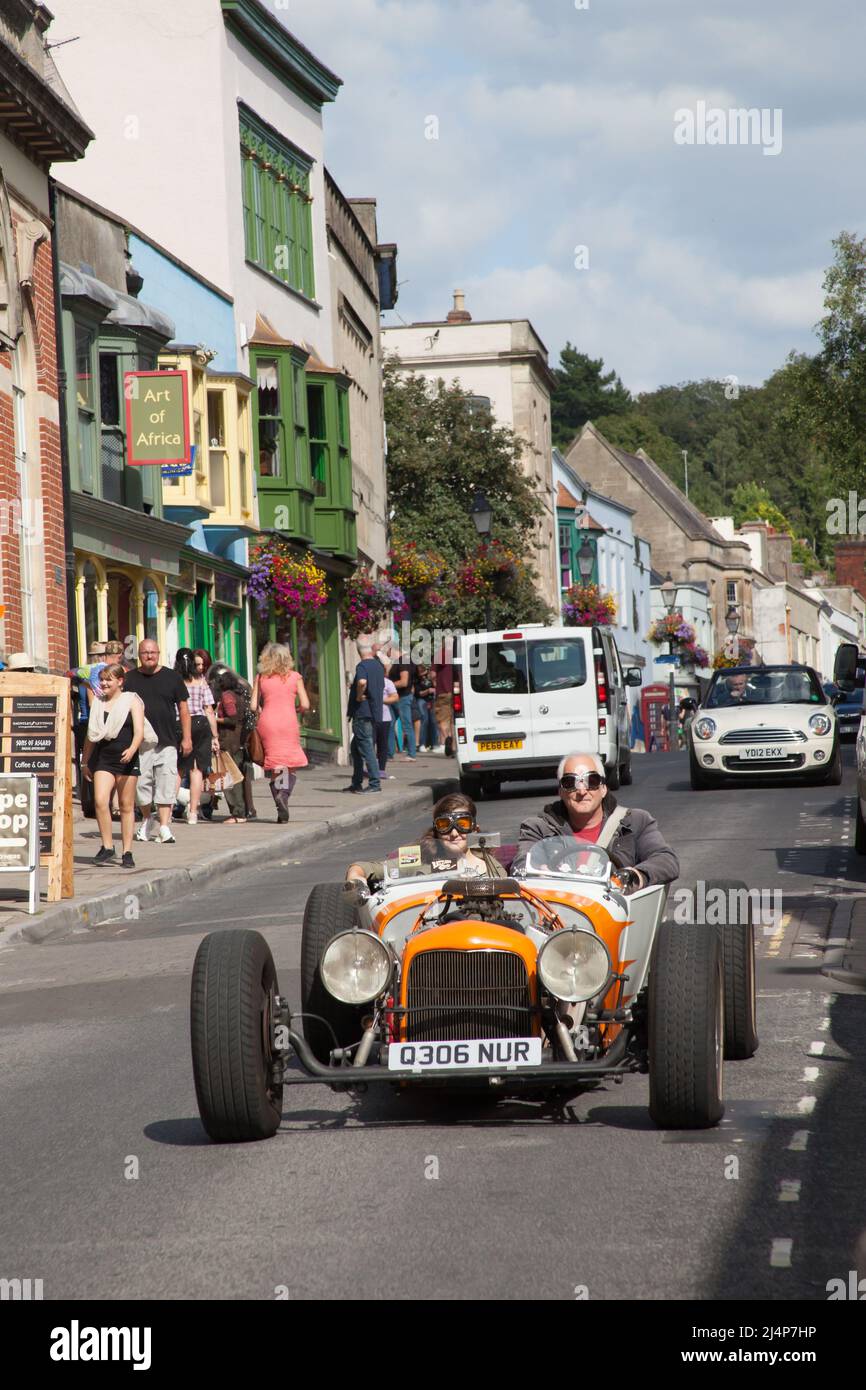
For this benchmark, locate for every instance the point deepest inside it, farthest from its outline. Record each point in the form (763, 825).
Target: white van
(524, 698)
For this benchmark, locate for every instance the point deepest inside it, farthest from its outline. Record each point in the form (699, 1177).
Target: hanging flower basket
(493, 569)
(367, 601)
(585, 605)
(295, 585)
(724, 658)
(682, 637)
(414, 570)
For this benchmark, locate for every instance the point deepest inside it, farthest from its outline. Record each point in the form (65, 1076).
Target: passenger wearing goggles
(446, 842)
(589, 811)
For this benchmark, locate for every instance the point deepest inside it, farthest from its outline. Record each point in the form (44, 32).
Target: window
(498, 668)
(84, 340)
(556, 665)
(732, 591)
(565, 557)
(318, 428)
(270, 421)
(278, 225)
(216, 447)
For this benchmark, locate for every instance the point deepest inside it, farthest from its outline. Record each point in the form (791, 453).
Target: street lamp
(482, 515)
(668, 592)
(732, 620)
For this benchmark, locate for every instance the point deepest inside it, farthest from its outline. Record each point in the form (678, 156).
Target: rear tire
(860, 831)
(471, 786)
(231, 1016)
(491, 786)
(326, 915)
(738, 964)
(686, 1028)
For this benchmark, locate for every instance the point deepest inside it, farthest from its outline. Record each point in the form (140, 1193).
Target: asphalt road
(110, 1188)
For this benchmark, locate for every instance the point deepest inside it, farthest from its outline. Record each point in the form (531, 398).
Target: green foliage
(583, 391)
(440, 453)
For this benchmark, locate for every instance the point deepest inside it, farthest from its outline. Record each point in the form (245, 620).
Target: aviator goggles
(570, 781)
(456, 821)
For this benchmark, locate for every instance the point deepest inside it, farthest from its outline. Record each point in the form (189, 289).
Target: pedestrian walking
(115, 732)
(278, 694)
(244, 697)
(166, 707)
(384, 731)
(444, 677)
(403, 674)
(365, 711)
(426, 734)
(230, 710)
(203, 728)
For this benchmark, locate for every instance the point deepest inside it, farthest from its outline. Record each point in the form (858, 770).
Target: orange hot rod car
(539, 984)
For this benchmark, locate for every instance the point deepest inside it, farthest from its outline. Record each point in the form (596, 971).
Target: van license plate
(497, 745)
(452, 1056)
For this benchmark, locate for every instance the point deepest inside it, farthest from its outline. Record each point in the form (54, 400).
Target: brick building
(39, 125)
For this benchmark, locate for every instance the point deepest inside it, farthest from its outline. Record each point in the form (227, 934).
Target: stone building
(39, 126)
(681, 538)
(502, 363)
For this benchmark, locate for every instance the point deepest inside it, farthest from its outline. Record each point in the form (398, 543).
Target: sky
(555, 188)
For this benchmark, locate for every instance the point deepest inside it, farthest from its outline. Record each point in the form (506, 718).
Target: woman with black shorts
(205, 737)
(109, 759)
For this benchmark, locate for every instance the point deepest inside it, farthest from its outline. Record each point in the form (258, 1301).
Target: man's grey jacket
(637, 842)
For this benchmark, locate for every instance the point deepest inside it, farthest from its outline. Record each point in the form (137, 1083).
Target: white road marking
(824, 1025)
(816, 1048)
(799, 1141)
(789, 1190)
(810, 1074)
(780, 1253)
(807, 1105)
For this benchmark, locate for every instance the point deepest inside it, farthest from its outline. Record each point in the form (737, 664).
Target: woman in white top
(109, 759)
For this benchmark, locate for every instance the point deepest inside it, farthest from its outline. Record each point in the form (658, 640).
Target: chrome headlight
(704, 728)
(574, 964)
(356, 967)
(820, 723)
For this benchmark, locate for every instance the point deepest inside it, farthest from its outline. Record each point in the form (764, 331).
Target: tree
(440, 454)
(583, 391)
(752, 502)
(828, 391)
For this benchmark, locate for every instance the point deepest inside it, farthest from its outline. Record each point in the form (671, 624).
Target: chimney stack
(459, 314)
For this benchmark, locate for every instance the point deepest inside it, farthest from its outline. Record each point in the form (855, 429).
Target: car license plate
(455, 1056)
(762, 752)
(497, 745)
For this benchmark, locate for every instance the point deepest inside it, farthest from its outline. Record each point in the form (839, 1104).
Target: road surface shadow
(828, 1221)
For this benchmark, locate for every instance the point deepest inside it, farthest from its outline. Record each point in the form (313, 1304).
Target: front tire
(699, 780)
(332, 1024)
(611, 776)
(860, 831)
(625, 773)
(833, 776)
(686, 1028)
(234, 984)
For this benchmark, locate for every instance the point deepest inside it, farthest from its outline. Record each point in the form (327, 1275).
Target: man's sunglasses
(571, 780)
(461, 822)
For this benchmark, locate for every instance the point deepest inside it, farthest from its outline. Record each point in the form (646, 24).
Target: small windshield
(770, 685)
(563, 855)
(436, 859)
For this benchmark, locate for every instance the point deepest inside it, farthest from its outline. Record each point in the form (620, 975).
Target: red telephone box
(654, 700)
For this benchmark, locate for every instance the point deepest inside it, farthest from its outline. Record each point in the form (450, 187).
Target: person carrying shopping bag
(205, 738)
(278, 694)
(116, 730)
(231, 705)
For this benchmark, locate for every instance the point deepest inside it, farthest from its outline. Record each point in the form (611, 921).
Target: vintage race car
(539, 984)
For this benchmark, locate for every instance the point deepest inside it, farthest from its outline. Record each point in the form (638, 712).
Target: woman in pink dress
(278, 693)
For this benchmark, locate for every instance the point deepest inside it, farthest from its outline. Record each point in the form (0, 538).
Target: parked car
(756, 720)
(849, 709)
(525, 698)
(536, 985)
(849, 674)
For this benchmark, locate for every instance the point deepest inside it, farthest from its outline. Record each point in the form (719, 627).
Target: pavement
(845, 947)
(319, 809)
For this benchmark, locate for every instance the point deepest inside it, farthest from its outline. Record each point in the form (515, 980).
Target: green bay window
(282, 454)
(278, 224)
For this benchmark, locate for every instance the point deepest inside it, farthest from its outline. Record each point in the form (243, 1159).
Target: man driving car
(588, 811)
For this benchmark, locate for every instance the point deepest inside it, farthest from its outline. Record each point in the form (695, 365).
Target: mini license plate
(759, 753)
(497, 745)
(457, 1056)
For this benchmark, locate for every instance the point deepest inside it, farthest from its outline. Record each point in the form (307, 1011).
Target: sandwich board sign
(19, 830)
(36, 741)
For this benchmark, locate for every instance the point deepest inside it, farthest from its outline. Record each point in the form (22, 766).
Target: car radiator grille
(764, 736)
(468, 994)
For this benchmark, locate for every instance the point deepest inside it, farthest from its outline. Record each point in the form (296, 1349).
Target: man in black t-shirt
(404, 676)
(166, 700)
